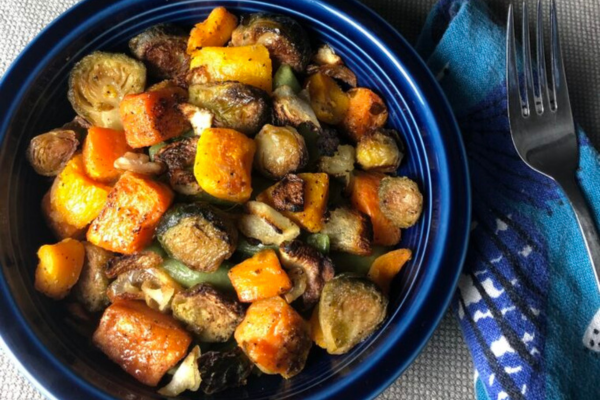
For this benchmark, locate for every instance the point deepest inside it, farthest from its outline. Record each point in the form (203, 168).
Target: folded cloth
(527, 302)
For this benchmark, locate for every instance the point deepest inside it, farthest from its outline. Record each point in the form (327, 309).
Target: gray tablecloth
(444, 370)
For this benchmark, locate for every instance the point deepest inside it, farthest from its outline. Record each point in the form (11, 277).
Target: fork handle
(586, 221)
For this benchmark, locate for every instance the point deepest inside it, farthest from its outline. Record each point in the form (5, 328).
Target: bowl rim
(361, 16)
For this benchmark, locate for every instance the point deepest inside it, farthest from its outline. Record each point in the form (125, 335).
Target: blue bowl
(33, 99)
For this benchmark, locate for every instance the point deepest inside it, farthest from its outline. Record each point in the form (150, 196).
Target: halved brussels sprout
(49, 152)
(235, 105)
(179, 157)
(279, 151)
(142, 260)
(90, 289)
(99, 82)
(341, 164)
(351, 308)
(379, 151)
(163, 48)
(401, 201)
(292, 110)
(349, 231)
(224, 370)
(285, 39)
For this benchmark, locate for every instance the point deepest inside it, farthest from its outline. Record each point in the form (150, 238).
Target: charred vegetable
(163, 48)
(198, 235)
(59, 268)
(285, 39)
(400, 201)
(215, 30)
(379, 151)
(349, 231)
(90, 289)
(224, 370)
(341, 164)
(327, 99)
(279, 151)
(317, 267)
(338, 72)
(350, 309)
(179, 157)
(142, 260)
(208, 313)
(235, 105)
(49, 152)
(263, 223)
(366, 114)
(292, 110)
(274, 337)
(99, 82)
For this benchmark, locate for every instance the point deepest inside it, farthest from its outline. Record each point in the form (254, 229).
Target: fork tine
(559, 81)
(512, 76)
(541, 60)
(530, 102)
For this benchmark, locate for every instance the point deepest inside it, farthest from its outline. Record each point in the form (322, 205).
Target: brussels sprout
(292, 110)
(351, 308)
(340, 164)
(179, 157)
(99, 82)
(349, 231)
(163, 48)
(285, 39)
(90, 289)
(48, 153)
(208, 313)
(400, 201)
(235, 105)
(142, 260)
(317, 267)
(279, 151)
(198, 235)
(261, 222)
(224, 370)
(379, 152)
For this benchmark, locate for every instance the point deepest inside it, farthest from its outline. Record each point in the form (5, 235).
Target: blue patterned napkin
(527, 301)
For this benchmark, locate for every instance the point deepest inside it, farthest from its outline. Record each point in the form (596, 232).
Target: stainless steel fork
(541, 121)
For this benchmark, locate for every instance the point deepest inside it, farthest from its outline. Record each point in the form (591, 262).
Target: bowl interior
(34, 98)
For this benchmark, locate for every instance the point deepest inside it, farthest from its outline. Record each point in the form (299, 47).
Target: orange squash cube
(102, 146)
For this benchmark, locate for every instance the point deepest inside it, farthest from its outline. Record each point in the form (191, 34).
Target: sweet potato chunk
(259, 277)
(223, 164)
(77, 198)
(101, 148)
(246, 64)
(275, 337)
(144, 342)
(59, 267)
(153, 117)
(366, 114)
(215, 30)
(134, 207)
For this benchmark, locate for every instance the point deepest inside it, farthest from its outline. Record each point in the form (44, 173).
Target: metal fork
(541, 122)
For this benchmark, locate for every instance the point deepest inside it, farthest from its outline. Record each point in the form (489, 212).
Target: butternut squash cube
(59, 267)
(215, 30)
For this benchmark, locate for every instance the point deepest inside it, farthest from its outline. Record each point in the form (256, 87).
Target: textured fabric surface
(443, 370)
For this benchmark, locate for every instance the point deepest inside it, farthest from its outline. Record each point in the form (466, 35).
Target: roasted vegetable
(314, 194)
(76, 198)
(163, 48)
(299, 284)
(259, 277)
(317, 267)
(248, 247)
(290, 109)
(349, 231)
(274, 337)
(319, 241)
(49, 152)
(153, 117)
(189, 277)
(350, 309)
(90, 289)
(235, 105)
(285, 77)
(57, 222)
(127, 222)
(144, 342)
(400, 201)
(279, 151)
(224, 164)
(341, 164)
(179, 157)
(327, 99)
(316, 332)
(285, 39)
(186, 377)
(366, 114)
(142, 260)
(139, 163)
(208, 313)
(99, 82)
(198, 235)
(215, 30)
(364, 197)
(101, 148)
(379, 152)
(387, 266)
(59, 268)
(199, 118)
(360, 265)
(319, 142)
(336, 71)
(248, 64)
(263, 223)
(224, 370)
(325, 55)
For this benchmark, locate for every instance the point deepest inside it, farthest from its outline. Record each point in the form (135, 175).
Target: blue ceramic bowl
(33, 99)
